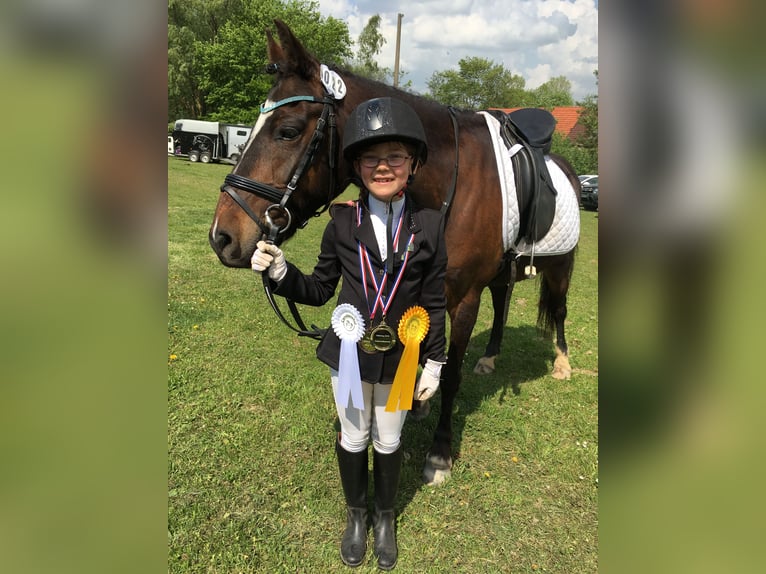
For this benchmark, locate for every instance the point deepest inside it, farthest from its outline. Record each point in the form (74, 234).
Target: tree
(582, 153)
(580, 157)
(184, 95)
(369, 45)
(589, 118)
(234, 76)
(555, 92)
(191, 24)
(217, 53)
(478, 84)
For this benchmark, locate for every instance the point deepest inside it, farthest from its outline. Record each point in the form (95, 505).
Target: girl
(390, 253)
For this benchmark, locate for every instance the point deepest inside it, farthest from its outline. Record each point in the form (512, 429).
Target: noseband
(280, 197)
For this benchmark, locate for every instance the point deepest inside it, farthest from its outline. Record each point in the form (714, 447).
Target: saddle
(532, 128)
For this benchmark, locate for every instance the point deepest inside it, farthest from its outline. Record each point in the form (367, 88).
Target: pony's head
(291, 167)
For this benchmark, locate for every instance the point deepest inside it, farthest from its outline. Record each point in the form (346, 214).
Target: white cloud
(536, 39)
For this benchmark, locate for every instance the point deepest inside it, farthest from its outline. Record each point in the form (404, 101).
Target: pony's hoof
(436, 470)
(561, 368)
(562, 375)
(420, 410)
(485, 366)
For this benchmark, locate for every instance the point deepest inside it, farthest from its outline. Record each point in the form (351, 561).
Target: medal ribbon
(348, 324)
(412, 330)
(366, 268)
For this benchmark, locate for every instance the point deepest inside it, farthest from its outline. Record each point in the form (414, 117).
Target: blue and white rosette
(348, 324)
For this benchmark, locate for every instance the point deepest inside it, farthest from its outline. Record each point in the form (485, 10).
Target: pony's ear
(290, 55)
(276, 55)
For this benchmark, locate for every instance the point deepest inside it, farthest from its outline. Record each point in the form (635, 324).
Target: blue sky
(536, 39)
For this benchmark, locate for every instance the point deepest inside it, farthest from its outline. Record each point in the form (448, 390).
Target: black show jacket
(421, 284)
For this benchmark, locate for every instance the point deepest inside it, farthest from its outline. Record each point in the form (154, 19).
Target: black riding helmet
(383, 119)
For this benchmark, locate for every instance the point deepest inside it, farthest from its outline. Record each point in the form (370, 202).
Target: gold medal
(383, 337)
(365, 343)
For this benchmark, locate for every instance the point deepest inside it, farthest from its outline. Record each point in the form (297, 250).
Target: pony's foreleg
(501, 289)
(438, 465)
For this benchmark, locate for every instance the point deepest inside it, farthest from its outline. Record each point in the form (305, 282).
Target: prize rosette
(413, 327)
(348, 324)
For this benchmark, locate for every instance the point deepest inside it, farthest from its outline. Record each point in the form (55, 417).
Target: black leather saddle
(533, 129)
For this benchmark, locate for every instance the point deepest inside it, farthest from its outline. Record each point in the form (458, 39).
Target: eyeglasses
(393, 160)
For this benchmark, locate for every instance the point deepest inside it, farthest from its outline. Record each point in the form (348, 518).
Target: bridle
(280, 197)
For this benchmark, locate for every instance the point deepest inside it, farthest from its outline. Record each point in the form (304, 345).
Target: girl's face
(381, 179)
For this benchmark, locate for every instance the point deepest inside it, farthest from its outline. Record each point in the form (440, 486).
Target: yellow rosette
(413, 327)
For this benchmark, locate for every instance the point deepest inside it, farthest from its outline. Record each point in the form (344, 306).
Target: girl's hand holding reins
(269, 256)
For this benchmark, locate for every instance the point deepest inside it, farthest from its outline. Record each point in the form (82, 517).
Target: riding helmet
(383, 119)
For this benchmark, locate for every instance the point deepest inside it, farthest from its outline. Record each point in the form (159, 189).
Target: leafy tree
(553, 93)
(369, 45)
(589, 119)
(478, 84)
(217, 53)
(580, 157)
(184, 95)
(583, 151)
(203, 18)
(234, 67)
(191, 24)
(588, 141)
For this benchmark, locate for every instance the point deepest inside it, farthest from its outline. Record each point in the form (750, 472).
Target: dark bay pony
(292, 168)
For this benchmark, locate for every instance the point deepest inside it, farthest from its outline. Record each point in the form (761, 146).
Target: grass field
(252, 479)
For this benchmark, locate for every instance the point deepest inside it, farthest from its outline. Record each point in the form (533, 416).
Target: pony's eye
(287, 133)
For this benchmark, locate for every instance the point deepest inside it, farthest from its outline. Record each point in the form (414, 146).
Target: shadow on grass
(525, 356)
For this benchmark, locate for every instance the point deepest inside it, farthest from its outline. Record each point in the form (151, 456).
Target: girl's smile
(385, 181)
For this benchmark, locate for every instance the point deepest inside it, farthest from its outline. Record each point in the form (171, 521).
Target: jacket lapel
(411, 224)
(365, 234)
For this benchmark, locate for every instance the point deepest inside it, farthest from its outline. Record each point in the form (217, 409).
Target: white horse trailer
(209, 141)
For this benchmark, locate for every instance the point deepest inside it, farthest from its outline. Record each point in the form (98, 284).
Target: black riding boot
(353, 477)
(386, 470)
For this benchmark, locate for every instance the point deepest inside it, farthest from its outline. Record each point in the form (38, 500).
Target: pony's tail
(552, 302)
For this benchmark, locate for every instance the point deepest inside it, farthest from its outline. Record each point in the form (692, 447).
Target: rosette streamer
(348, 324)
(413, 327)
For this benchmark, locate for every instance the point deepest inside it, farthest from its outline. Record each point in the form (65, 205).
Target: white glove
(428, 381)
(269, 256)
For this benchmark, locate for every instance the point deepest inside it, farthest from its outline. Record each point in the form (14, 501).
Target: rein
(315, 332)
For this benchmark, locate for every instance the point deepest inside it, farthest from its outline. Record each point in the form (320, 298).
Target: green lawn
(252, 477)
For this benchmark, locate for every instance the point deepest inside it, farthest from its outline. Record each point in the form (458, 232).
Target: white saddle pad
(565, 230)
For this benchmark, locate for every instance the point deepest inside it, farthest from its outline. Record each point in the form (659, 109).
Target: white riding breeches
(357, 426)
